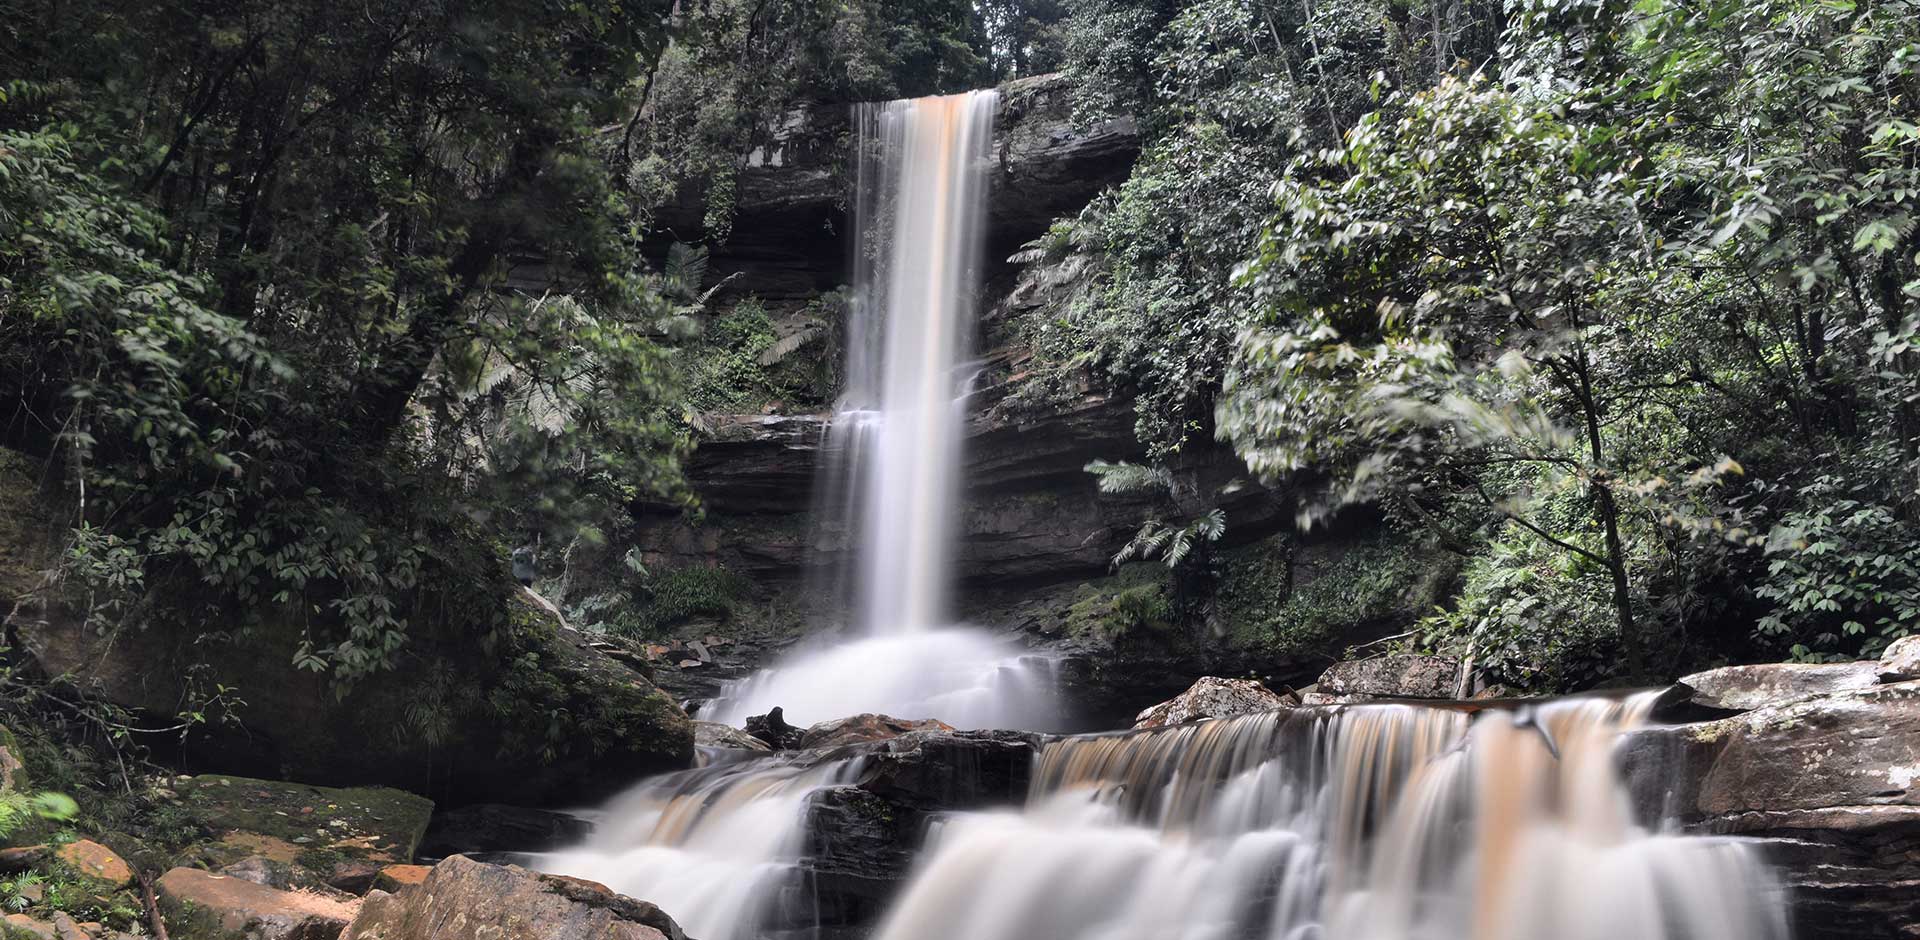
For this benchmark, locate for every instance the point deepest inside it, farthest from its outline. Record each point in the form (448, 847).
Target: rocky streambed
(1817, 765)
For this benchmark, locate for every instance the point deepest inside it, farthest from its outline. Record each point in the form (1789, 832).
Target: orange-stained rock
(395, 877)
(254, 911)
(20, 925)
(98, 862)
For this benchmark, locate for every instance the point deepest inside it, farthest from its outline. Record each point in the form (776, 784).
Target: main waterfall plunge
(891, 472)
(1355, 822)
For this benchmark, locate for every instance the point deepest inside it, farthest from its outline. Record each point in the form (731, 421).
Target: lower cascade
(1378, 822)
(1355, 822)
(716, 844)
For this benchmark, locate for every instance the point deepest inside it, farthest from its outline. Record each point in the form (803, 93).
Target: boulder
(865, 728)
(715, 734)
(23, 857)
(354, 875)
(1394, 675)
(301, 826)
(496, 747)
(97, 862)
(22, 927)
(1901, 660)
(493, 827)
(1827, 783)
(1740, 688)
(862, 837)
(772, 729)
(206, 906)
(461, 899)
(1212, 697)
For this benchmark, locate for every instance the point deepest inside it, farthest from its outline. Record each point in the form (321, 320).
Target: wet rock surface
(1827, 784)
(461, 899)
(1739, 688)
(494, 827)
(863, 729)
(861, 838)
(715, 734)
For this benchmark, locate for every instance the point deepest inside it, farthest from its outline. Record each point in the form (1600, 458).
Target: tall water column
(892, 457)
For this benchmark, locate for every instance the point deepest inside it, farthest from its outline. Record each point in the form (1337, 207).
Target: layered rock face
(1031, 514)
(791, 231)
(1820, 766)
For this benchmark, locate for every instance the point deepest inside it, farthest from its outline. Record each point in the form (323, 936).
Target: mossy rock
(314, 827)
(527, 714)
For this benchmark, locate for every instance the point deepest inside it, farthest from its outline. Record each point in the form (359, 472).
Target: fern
(1172, 544)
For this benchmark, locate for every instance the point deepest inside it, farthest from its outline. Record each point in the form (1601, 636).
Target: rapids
(1376, 822)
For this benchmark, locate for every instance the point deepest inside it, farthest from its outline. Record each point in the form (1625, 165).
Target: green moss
(1134, 599)
(360, 822)
(680, 594)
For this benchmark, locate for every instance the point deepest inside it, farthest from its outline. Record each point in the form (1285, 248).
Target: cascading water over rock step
(1379, 822)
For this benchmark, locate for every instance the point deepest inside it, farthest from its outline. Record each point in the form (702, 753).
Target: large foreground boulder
(461, 899)
(1212, 697)
(1830, 785)
(206, 906)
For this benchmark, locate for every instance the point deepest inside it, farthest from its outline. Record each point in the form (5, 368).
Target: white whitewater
(712, 846)
(894, 445)
(1362, 823)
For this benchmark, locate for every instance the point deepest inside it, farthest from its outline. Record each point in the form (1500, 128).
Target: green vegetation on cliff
(1614, 302)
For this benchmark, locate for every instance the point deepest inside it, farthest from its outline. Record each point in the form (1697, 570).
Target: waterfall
(715, 846)
(892, 454)
(1361, 823)
(1372, 822)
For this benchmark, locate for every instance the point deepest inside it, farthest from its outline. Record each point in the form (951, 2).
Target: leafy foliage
(1173, 542)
